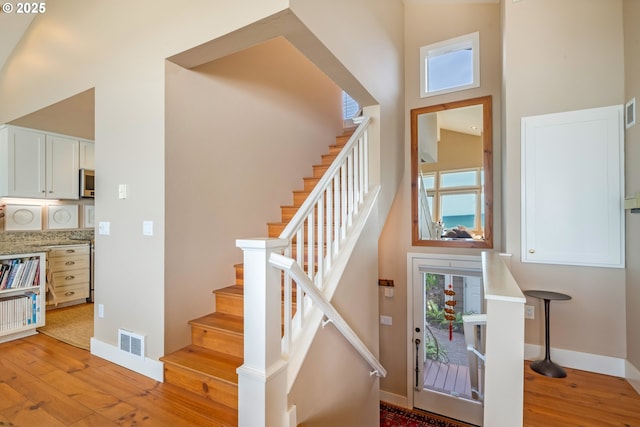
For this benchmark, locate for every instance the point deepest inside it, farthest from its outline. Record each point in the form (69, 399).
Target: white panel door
(573, 188)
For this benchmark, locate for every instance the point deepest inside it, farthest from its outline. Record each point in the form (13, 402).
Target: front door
(440, 364)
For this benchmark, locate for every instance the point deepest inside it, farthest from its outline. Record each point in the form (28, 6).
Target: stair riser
(215, 339)
(239, 274)
(335, 149)
(327, 159)
(341, 141)
(299, 197)
(229, 304)
(288, 213)
(202, 385)
(319, 170)
(310, 184)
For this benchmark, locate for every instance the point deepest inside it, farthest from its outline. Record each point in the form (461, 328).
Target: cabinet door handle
(71, 251)
(69, 263)
(69, 277)
(68, 294)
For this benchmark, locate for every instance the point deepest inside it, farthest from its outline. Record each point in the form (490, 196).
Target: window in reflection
(455, 200)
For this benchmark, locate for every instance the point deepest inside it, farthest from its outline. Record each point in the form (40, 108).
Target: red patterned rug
(394, 416)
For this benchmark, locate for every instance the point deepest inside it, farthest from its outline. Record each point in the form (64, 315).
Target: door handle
(418, 386)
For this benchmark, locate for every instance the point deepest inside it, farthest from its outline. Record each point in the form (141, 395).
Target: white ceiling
(465, 119)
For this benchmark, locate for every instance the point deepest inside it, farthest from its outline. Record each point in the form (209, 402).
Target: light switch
(147, 228)
(122, 191)
(104, 227)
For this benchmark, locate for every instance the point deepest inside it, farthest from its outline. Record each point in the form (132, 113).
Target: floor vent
(130, 342)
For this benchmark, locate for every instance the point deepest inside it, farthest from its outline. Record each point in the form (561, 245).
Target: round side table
(546, 366)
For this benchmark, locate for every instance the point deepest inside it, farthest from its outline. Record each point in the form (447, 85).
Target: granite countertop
(27, 247)
(26, 242)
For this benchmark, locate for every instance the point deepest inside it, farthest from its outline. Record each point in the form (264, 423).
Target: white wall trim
(148, 367)
(605, 365)
(632, 374)
(394, 399)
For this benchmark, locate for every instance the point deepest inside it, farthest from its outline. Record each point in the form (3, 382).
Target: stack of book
(20, 273)
(17, 311)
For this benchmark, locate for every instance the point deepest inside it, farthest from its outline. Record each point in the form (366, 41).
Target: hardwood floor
(45, 383)
(581, 399)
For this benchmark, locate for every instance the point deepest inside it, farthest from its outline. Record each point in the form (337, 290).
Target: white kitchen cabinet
(38, 165)
(87, 154)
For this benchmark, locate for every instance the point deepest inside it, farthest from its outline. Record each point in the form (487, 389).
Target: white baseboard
(394, 399)
(632, 374)
(577, 360)
(148, 367)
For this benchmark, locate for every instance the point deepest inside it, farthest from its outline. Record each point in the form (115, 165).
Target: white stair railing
(314, 240)
(323, 222)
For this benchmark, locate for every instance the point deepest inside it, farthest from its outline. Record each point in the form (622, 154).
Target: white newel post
(262, 379)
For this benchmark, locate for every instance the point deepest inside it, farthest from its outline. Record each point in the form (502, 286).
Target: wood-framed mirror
(452, 174)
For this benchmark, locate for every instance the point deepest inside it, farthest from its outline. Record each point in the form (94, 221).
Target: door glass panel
(448, 372)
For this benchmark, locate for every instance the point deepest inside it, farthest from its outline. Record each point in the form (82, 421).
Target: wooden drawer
(70, 277)
(70, 262)
(61, 251)
(70, 293)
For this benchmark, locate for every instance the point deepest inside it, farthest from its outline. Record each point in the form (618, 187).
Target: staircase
(207, 367)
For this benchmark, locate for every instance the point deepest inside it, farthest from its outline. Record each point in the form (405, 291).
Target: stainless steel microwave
(87, 183)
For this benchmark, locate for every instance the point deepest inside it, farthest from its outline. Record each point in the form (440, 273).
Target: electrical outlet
(529, 312)
(101, 310)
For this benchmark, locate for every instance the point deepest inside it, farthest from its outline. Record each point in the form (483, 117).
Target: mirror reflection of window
(451, 155)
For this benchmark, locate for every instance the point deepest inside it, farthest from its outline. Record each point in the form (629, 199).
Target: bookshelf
(22, 294)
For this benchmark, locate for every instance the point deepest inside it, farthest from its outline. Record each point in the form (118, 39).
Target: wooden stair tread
(199, 359)
(221, 321)
(231, 290)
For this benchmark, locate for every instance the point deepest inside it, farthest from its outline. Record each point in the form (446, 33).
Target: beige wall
(631, 13)
(241, 133)
(426, 24)
(334, 387)
(554, 71)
